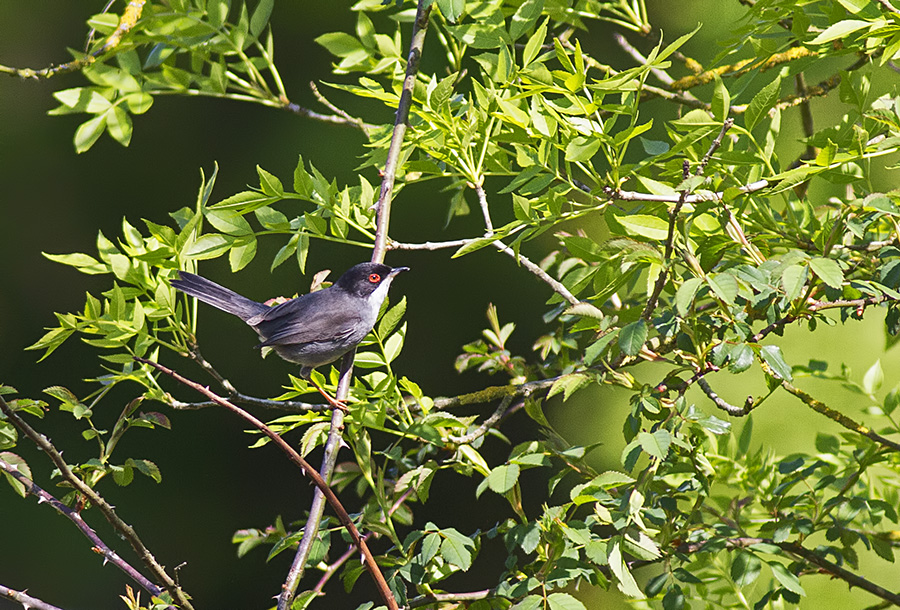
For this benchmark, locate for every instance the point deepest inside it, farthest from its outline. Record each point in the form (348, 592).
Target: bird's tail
(218, 296)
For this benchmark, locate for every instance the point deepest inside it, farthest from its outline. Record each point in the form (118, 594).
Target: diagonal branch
(28, 602)
(383, 216)
(75, 517)
(305, 468)
(122, 528)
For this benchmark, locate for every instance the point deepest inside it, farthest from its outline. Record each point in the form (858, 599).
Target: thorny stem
(122, 528)
(99, 547)
(28, 602)
(383, 213)
(305, 468)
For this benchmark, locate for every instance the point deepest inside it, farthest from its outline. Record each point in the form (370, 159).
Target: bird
(310, 330)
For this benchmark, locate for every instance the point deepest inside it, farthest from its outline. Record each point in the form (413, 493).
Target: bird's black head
(365, 278)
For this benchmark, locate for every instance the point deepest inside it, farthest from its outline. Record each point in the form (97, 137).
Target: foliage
(716, 237)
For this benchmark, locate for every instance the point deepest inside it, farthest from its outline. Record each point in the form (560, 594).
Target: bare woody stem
(123, 529)
(27, 601)
(383, 216)
(98, 546)
(305, 468)
(383, 206)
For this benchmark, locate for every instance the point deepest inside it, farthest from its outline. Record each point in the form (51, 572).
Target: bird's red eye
(374, 278)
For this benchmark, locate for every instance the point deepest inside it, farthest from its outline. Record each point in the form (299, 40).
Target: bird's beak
(397, 270)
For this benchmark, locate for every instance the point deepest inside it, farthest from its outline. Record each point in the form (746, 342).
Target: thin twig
(383, 215)
(75, 517)
(383, 206)
(28, 602)
(122, 528)
(722, 403)
(363, 126)
(520, 258)
(485, 211)
(694, 198)
(431, 245)
(486, 425)
(449, 598)
(288, 406)
(129, 18)
(305, 468)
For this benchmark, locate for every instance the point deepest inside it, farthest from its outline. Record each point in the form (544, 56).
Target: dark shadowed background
(55, 200)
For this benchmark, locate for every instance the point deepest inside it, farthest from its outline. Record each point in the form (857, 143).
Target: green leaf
(684, 298)
(598, 347)
(457, 548)
(619, 568)
(242, 252)
(533, 46)
(839, 30)
(89, 132)
(721, 102)
(563, 601)
(269, 183)
(340, 44)
(773, 357)
(568, 385)
(84, 263)
(745, 569)
(524, 18)
(260, 17)
(656, 444)
(452, 10)
(828, 270)
(391, 317)
(209, 246)
(873, 378)
(793, 280)
(228, 221)
(632, 337)
(644, 225)
(503, 478)
(788, 580)
(581, 148)
(724, 285)
(761, 103)
(21, 466)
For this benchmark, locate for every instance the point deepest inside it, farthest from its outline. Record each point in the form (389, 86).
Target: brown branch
(722, 403)
(296, 459)
(129, 18)
(457, 599)
(383, 215)
(383, 206)
(486, 425)
(75, 517)
(28, 602)
(122, 528)
(348, 120)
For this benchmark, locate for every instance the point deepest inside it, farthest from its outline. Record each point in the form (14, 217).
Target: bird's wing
(311, 318)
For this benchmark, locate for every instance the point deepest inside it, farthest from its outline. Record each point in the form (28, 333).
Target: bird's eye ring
(374, 278)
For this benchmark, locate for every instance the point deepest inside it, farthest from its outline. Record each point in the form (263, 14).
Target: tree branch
(130, 16)
(28, 602)
(75, 517)
(123, 529)
(305, 468)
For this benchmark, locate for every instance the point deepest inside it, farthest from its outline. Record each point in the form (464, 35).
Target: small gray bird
(313, 329)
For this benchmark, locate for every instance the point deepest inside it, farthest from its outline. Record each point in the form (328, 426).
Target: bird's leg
(334, 402)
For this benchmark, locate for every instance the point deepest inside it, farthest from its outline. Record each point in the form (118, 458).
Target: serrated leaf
(457, 548)
(745, 569)
(788, 580)
(563, 601)
(771, 354)
(793, 280)
(568, 385)
(656, 444)
(724, 285)
(684, 298)
(619, 568)
(761, 103)
(828, 270)
(632, 337)
(503, 478)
